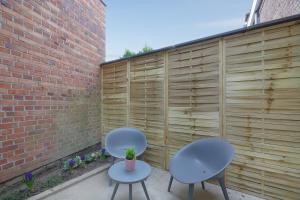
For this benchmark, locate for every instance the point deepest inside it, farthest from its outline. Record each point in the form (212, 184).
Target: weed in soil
(19, 195)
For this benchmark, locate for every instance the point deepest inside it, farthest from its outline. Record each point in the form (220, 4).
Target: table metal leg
(145, 190)
(203, 186)
(191, 191)
(130, 191)
(170, 183)
(111, 164)
(115, 191)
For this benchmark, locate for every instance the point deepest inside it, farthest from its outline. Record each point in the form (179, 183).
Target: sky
(130, 24)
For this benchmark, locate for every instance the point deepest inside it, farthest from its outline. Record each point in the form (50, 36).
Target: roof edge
(103, 3)
(228, 33)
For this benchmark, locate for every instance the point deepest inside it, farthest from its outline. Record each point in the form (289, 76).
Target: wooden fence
(243, 86)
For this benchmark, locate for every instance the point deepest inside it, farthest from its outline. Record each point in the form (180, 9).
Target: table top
(118, 172)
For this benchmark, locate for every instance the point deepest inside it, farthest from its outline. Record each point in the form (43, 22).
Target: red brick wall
(50, 51)
(275, 9)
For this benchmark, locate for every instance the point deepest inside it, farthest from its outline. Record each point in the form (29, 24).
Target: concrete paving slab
(97, 187)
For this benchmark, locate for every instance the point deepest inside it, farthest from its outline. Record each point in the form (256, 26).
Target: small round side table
(120, 175)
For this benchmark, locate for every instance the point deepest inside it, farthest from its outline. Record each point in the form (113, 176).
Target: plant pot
(130, 165)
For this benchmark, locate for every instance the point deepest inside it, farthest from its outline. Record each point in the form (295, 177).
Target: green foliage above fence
(129, 53)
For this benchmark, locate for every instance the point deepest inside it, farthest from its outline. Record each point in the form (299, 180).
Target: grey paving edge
(69, 183)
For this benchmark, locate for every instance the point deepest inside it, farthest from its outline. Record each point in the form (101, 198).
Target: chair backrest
(216, 153)
(118, 140)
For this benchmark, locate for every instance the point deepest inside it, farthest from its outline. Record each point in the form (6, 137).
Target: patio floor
(96, 187)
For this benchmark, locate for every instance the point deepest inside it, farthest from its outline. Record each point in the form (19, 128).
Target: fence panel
(147, 103)
(114, 96)
(262, 111)
(244, 87)
(193, 93)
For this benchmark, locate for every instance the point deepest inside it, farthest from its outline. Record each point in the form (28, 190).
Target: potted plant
(130, 159)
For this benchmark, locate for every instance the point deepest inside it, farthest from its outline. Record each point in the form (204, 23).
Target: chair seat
(188, 170)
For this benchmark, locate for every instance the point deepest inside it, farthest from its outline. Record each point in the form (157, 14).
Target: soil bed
(48, 176)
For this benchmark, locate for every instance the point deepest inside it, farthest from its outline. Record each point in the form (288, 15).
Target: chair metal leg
(203, 186)
(141, 157)
(115, 191)
(170, 183)
(145, 190)
(191, 191)
(111, 164)
(222, 184)
(130, 191)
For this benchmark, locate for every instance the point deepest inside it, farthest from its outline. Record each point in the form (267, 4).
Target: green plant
(69, 164)
(91, 157)
(98, 154)
(82, 159)
(146, 49)
(52, 181)
(129, 53)
(29, 180)
(78, 161)
(15, 195)
(103, 155)
(130, 154)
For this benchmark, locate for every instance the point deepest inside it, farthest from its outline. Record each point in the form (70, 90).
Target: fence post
(166, 107)
(128, 92)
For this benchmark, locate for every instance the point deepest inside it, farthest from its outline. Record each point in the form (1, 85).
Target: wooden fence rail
(244, 87)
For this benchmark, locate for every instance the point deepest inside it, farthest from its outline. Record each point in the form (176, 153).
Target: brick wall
(50, 51)
(275, 9)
